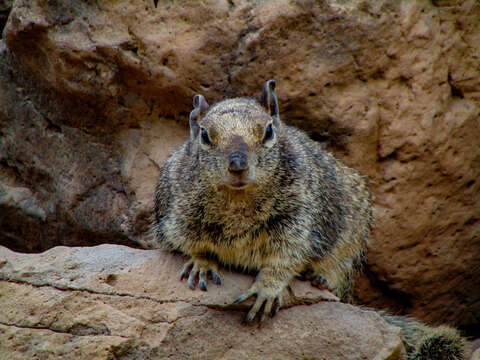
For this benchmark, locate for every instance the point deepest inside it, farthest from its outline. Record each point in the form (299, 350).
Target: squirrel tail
(424, 342)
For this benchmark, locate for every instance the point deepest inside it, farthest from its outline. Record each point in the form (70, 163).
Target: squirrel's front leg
(268, 286)
(199, 266)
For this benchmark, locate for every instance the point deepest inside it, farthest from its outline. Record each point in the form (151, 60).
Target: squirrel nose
(237, 162)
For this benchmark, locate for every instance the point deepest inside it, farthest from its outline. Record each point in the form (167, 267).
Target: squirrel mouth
(237, 186)
(240, 185)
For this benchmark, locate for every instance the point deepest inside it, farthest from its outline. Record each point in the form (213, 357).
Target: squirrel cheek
(269, 144)
(204, 147)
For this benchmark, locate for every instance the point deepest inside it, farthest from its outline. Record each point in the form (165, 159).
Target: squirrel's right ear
(268, 99)
(200, 107)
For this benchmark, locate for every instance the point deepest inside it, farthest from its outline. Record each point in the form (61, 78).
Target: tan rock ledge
(114, 302)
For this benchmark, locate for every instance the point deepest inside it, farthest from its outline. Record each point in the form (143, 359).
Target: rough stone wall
(95, 94)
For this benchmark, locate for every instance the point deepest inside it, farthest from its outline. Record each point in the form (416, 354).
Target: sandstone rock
(94, 96)
(111, 301)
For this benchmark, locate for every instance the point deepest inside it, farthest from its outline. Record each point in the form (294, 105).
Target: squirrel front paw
(200, 267)
(267, 296)
(321, 283)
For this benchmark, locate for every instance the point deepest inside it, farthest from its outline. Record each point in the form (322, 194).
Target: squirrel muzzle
(238, 170)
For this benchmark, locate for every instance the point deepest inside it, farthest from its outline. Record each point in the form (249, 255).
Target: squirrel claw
(192, 279)
(270, 305)
(186, 270)
(202, 280)
(307, 274)
(275, 307)
(270, 308)
(244, 296)
(217, 280)
(320, 282)
(200, 268)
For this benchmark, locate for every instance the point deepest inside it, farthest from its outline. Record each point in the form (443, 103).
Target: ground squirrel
(249, 191)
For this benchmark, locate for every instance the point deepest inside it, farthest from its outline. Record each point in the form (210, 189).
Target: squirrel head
(236, 140)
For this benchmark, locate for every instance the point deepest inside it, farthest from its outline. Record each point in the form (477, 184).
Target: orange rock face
(94, 96)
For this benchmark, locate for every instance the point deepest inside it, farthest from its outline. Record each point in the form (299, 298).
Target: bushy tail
(423, 342)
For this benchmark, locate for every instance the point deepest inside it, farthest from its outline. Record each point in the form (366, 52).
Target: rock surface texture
(112, 301)
(95, 95)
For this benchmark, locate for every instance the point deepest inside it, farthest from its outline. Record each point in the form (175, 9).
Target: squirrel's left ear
(268, 99)
(200, 107)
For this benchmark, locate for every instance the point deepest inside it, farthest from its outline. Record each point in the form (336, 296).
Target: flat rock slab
(112, 301)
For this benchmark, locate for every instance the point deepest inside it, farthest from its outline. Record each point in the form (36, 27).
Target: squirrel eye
(205, 137)
(268, 133)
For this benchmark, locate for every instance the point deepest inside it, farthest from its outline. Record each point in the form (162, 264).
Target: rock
(95, 95)
(475, 346)
(112, 301)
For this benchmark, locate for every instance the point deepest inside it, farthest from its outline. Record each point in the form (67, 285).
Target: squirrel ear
(200, 106)
(268, 99)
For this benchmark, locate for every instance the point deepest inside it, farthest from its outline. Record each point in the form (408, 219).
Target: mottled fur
(304, 212)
